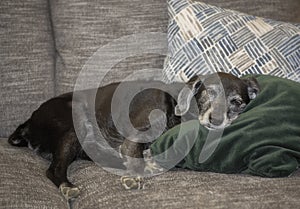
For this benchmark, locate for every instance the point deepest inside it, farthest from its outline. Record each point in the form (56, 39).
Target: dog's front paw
(131, 182)
(69, 192)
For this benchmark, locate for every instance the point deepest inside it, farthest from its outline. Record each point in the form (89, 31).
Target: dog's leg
(133, 152)
(63, 156)
(18, 138)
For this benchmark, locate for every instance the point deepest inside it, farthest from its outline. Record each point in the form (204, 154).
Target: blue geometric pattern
(203, 39)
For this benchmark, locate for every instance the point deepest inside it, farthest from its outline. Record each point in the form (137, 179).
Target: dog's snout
(215, 120)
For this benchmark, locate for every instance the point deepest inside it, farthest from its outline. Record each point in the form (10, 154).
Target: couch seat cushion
(183, 189)
(23, 181)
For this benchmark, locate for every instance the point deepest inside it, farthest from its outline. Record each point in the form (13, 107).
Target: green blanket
(264, 140)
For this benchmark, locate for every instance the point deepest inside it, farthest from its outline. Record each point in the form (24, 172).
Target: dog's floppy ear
(253, 87)
(186, 94)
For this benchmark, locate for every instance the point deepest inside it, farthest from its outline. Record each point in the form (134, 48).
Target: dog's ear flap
(253, 87)
(186, 94)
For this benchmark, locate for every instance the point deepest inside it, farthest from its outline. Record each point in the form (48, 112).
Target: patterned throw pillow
(204, 39)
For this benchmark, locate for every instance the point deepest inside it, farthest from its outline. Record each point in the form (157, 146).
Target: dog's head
(220, 97)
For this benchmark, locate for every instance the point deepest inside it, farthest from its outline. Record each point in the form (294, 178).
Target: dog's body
(51, 132)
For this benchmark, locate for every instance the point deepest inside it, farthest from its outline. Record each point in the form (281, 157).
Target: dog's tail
(20, 136)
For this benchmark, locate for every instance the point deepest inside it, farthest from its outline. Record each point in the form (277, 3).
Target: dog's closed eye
(212, 93)
(236, 102)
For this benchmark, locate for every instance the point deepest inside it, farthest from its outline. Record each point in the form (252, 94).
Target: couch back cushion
(82, 28)
(26, 60)
(281, 10)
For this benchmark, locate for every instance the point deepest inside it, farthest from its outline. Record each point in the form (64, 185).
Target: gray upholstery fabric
(24, 185)
(81, 28)
(184, 189)
(23, 181)
(26, 60)
(284, 10)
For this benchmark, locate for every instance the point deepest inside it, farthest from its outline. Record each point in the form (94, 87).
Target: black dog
(50, 131)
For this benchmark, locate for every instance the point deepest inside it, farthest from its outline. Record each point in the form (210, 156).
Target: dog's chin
(211, 126)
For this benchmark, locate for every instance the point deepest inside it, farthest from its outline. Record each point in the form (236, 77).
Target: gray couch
(43, 46)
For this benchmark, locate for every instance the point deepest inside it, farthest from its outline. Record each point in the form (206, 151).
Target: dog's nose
(215, 120)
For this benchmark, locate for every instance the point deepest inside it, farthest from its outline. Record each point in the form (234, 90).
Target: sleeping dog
(50, 131)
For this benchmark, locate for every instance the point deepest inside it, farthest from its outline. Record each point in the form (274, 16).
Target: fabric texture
(28, 187)
(183, 189)
(26, 60)
(203, 39)
(82, 28)
(264, 140)
(23, 180)
(280, 10)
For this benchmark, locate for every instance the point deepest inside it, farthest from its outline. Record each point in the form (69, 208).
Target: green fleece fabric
(264, 140)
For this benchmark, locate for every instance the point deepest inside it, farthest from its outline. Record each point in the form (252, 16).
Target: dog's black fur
(50, 129)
